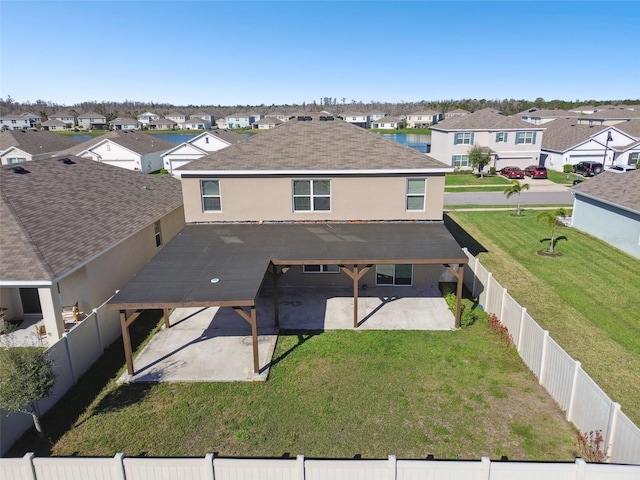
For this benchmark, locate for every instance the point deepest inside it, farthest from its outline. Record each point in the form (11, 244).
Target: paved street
(540, 192)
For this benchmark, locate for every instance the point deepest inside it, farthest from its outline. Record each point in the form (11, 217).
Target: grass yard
(587, 298)
(453, 179)
(458, 394)
(495, 188)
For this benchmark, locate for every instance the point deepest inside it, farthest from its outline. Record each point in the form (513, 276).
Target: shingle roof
(544, 112)
(35, 142)
(162, 121)
(58, 216)
(459, 110)
(484, 119)
(227, 135)
(630, 127)
(620, 189)
(194, 120)
(136, 141)
(387, 119)
(562, 134)
(315, 145)
(613, 113)
(124, 121)
(424, 112)
(91, 115)
(268, 121)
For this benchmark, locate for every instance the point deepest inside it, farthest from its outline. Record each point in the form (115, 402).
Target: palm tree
(551, 218)
(516, 187)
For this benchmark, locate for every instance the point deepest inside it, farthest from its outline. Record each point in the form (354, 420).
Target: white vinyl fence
(209, 467)
(72, 355)
(584, 402)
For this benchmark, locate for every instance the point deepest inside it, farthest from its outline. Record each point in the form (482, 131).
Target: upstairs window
(311, 195)
(211, 200)
(158, 234)
(463, 138)
(501, 137)
(416, 193)
(525, 137)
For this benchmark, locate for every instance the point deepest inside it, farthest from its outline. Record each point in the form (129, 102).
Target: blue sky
(273, 52)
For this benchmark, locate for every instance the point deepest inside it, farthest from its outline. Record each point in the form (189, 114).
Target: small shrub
(469, 314)
(492, 170)
(590, 446)
(500, 329)
(566, 168)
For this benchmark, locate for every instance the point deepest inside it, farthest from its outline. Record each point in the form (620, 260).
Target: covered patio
(225, 265)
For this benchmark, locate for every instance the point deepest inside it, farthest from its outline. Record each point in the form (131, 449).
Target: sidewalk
(537, 185)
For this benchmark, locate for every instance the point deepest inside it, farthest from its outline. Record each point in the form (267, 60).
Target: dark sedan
(536, 171)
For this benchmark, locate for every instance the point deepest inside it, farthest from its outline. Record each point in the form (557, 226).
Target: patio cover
(225, 264)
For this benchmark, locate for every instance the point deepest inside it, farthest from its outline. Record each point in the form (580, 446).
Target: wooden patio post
(165, 314)
(460, 275)
(355, 296)
(127, 341)
(276, 303)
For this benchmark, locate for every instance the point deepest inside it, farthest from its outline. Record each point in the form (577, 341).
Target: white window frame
(525, 138)
(501, 137)
(322, 269)
(394, 276)
(203, 195)
(459, 159)
(634, 158)
(157, 233)
(15, 160)
(312, 195)
(413, 195)
(463, 138)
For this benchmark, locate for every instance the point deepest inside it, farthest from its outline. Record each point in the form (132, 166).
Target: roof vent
(323, 118)
(329, 118)
(19, 170)
(66, 161)
(301, 119)
(307, 119)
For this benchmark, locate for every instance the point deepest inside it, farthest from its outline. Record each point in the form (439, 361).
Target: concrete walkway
(214, 344)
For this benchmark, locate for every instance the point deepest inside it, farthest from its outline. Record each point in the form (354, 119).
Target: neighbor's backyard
(588, 298)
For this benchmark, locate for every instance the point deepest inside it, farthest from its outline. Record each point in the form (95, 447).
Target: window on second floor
(525, 137)
(158, 233)
(416, 188)
(211, 199)
(501, 137)
(634, 158)
(463, 138)
(311, 195)
(14, 160)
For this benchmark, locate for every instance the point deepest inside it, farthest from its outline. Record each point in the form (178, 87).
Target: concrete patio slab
(214, 344)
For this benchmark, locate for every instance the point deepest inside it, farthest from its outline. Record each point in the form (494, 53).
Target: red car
(512, 172)
(536, 171)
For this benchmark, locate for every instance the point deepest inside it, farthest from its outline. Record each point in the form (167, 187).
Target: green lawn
(587, 298)
(456, 394)
(452, 179)
(470, 188)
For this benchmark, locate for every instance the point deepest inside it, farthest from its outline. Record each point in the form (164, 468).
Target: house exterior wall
(113, 154)
(615, 226)
(240, 122)
(509, 153)
(209, 143)
(180, 156)
(14, 156)
(151, 162)
(352, 198)
(68, 120)
(88, 122)
(15, 123)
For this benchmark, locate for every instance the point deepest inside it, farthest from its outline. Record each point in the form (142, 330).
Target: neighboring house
(128, 149)
(609, 116)
(266, 123)
(92, 121)
(608, 207)
(18, 146)
(15, 122)
(314, 202)
(198, 147)
(146, 118)
(583, 110)
(356, 118)
(239, 120)
(539, 116)
(222, 124)
(512, 141)
(177, 117)
(124, 124)
(373, 116)
(280, 116)
(53, 125)
(162, 124)
(458, 112)
(568, 142)
(66, 117)
(33, 118)
(423, 119)
(195, 123)
(75, 231)
(388, 122)
(207, 117)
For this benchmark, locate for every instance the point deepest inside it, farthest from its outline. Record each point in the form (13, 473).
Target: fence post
(487, 290)
(611, 428)
(522, 314)
(66, 346)
(118, 467)
(580, 468)
(543, 356)
(485, 468)
(502, 302)
(208, 463)
(392, 468)
(300, 465)
(574, 383)
(28, 470)
(95, 314)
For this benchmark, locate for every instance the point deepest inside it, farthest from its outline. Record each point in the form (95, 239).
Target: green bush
(470, 313)
(566, 168)
(492, 170)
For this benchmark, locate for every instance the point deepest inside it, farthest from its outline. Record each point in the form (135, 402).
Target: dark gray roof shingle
(57, 216)
(620, 189)
(562, 134)
(35, 142)
(136, 141)
(484, 119)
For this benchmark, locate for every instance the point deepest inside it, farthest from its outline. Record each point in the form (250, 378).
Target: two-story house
(356, 118)
(387, 122)
(207, 117)
(92, 121)
(124, 124)
(314, 202)
(609, 116)
(177, 117)
(457, 112)
(540, 116)
(146, 117)
(512, 141)
(14, 122)
(240, 120)
(17, 146)
(266, 123)
(66, 117)
(423, 119)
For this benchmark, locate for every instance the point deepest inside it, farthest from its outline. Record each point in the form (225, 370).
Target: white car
(622, 168)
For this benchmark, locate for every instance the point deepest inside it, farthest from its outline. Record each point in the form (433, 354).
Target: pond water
(419, 142)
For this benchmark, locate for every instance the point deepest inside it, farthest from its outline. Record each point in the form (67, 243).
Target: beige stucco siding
(352, 198)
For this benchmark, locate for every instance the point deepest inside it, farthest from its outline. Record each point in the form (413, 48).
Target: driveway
(214, 344)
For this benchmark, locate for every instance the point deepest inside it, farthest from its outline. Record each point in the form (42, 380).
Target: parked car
(536, 171)
(622, 168)
(512, 172)
(587, 168)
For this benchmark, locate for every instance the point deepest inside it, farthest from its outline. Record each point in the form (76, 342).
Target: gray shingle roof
(630, 127)
(227, 135)
(268, 121)
(562, 134)
(387, 119)
(91, 115)
(58, 216)
(613, 113)
(424, 112)
(315, 145)
(53, 122)
(620, 189)
(485, 119)
(35, 142)
(544, 112)
(136, 141)
(162, 121)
